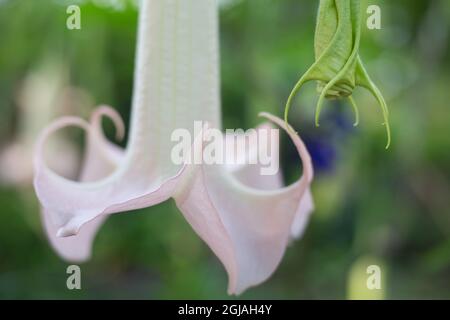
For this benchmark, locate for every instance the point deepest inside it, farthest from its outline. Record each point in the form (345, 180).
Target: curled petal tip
(264, 114)
(112, 114)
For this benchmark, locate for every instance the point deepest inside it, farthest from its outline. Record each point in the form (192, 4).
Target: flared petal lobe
(247, 228)
(100, 160)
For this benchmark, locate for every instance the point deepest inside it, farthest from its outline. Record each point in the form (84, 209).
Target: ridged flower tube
(338, 68)
(247, 219)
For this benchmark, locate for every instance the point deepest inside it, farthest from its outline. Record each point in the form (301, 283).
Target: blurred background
(389, 208)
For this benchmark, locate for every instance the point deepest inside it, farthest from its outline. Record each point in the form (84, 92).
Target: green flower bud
(338, 68)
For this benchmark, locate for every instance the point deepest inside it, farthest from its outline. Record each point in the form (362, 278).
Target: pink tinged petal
(247, 228)
(71, 204)
(98, 163)
(101, 158)
(250, 174)
(302, 216)
(176, 83)
(76, 248)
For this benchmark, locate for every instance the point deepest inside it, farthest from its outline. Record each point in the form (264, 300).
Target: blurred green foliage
(391, 205)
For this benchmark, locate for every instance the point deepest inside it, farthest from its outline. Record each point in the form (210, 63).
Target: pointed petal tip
(72, 228)
(64, 232)
(233, 291)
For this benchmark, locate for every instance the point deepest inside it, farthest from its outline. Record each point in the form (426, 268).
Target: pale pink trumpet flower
(245, 218)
